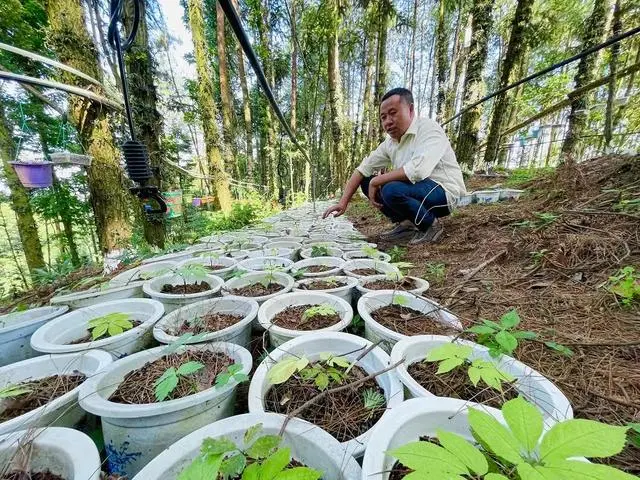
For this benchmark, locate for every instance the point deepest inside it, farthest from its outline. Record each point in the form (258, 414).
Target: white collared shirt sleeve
(377, 159)
(429, 145)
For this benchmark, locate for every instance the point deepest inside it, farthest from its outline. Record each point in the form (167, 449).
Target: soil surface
(366, 272)
(291, 318)
(321, 285)
(404, 284)
(88, 337)
(257, 290)
(456, 384)
(184, 289)
(43, 391)
(553, 273)
(215, 267)
(138, 385)
(317, 268)
(342, 413)
(211, 322)
(20, 475)
(408, 321)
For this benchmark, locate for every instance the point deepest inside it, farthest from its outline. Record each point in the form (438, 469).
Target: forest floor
(551, 269)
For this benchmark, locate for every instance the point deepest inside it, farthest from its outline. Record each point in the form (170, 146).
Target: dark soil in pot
(257, 290)
(342, 414)
(291, 318)
(89, 338)
(138, 385)
(21, 475)
(317, 268)
(185, 288)
(211, 322)
(456, 384)
(408, 321)
(322, 285)
(404, 284)
(365, 272)
(43, 391)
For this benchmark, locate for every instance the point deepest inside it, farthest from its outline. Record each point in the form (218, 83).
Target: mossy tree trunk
(385, 10)
(19, 198)
(473, 84)
(108, 188)
(144, 100)
(207, 107)
(441, 60)
(594, 30)
(515, 50)
(335, 93)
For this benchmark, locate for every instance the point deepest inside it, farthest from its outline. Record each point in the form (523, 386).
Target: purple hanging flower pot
(34, 174)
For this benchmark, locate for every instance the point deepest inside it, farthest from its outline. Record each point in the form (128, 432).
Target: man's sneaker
(430, 235)
(402, 231)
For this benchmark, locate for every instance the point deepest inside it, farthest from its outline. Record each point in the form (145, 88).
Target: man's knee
(393, 192)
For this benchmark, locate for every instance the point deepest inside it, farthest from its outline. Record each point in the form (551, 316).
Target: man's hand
(338, 209)
(374, 190)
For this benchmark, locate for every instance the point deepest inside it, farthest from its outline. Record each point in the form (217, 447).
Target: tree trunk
(473, 87)
(367, 101)
(246, 106)
(515, 50)
(110, 199)
(147, 119)
(207, 107)
(225, 95)
(19, 197)
(442, 61)
(455, 70)
(335, 95)
(593, 33)
(613, 70)
(412, 69)
(294, 69)
(385, 9)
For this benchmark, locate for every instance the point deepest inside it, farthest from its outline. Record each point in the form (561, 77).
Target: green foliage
(318, 310)
(538, 256)
(50, 274)
(373, 399)
(400, 300)
(634, 434)
(520, 176)
(625, 284)
(111, 325)
(12, 391)
(397, 253)
(183, 340)
(320, 251)
(542, 220)
(231, 372)
(285, 369)
(264, 459)
(191, 272)
(371, 252)
(435, 272)
(168, 381)
(403, 266)
(149, 274)
(501, 338)
(329, 369)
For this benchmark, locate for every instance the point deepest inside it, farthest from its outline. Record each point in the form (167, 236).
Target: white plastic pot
(333, 252)
(335, 262)
(348, 247)
(421, 284)
(133, 274)
(295, 246)
(310, 243)
(95, 297)
(63, 451)
(486, 196)
(239, 333)
(16, 329)
(410, 421)
(309, 444)
(281, 238)
(510, 194)
(239, 254)
(172, 257)
(224, 273)
(381, 298)
(202, 247)
(381, 267)
(135, 434)
(261, 264)
(288, 253)
(355, 254)
(340, 344)
(171, 301)
(55, 335)
(537, 389)
(279, 335)
(345, 292)
(64, 410)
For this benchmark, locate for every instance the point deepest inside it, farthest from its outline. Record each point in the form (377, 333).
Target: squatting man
(425, 182)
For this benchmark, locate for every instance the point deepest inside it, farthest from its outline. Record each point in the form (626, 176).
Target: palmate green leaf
(481, 330)
(202, 467)
(429, 476)
(235, 368)
(507, 341)
(299, 473)
(11, 391)
(573, 469)
(493, 325)
(183, 340)
(99, 331)
(469, 455)
(449, 350)
(495, 476)
(428, 458)
(449, 364)
(252, 432)
(252, 472)
(123, 323)
(510, 319)
(528, 472)
(525, 335)
(233, 465)
(400, 300)
(525, 422)
(189, 368)
(559, 348)
(322, 381)
(109, 318)
(114, 330)
(582, 438)
(283, 370)
(275, 463)
(240, 377)
(263, 446)
(492, 434)
(489, 373)
(216, 446)
(164, 385)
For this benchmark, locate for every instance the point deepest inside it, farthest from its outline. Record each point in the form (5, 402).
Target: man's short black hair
(405, 95)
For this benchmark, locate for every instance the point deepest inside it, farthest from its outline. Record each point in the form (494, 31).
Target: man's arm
(378, 181)
(349, 189)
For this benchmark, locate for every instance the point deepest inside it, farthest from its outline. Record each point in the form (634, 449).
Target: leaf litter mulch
(294, 318)
(408, 321)
(551, 269)
(211, 322)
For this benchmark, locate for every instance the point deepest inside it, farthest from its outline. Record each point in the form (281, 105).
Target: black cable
(544, 71)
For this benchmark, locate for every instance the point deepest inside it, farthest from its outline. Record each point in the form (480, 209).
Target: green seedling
(397, 253)
(168, 381)
(373, 400)
(12, 391)
(149, 274)
(231, 372)
(318, 310)
(400, 300)
(320, 251)
(329, 369)
(263, 459)
(403, 266)
(435, 272)
(192, 272)
(625, 285)
(183, 340)
(542, 220)
(371, 252)
(538, 256)
(111, 325)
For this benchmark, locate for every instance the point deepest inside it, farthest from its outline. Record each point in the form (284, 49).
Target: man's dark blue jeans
(421, 202)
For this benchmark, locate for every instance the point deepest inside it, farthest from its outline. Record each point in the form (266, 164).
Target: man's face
(396, 116)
